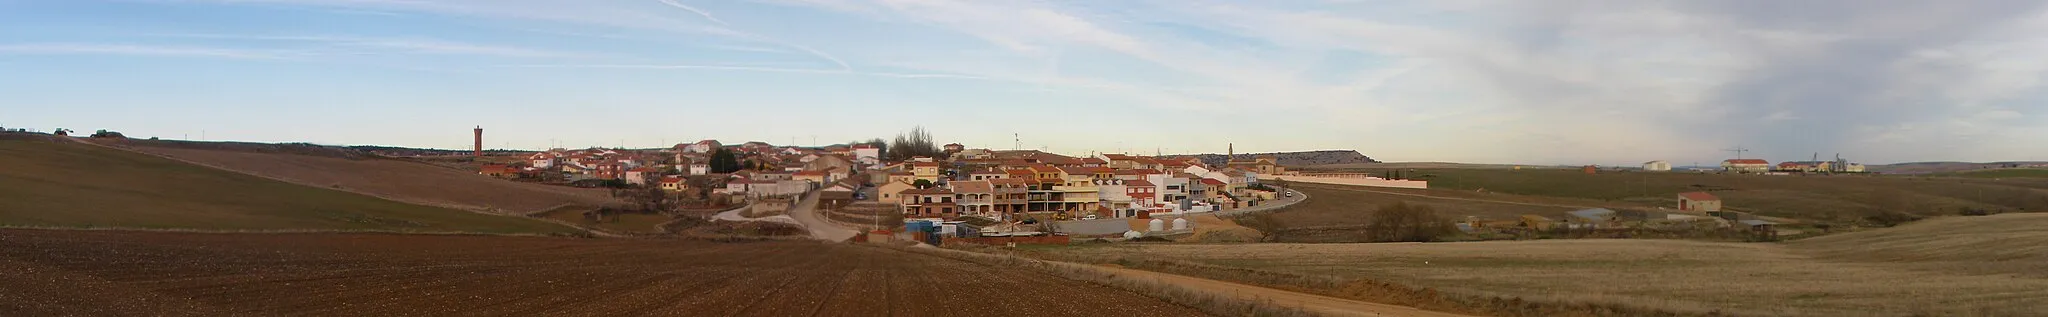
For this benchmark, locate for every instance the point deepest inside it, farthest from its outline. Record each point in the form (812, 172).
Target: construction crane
(1738, 151)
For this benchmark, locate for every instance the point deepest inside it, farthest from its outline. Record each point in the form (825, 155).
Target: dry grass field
(1961, 266)
(55, 183)
(401, 180)
(1332, 211)
(1841, 199)
(1989, 245)
(101, 273)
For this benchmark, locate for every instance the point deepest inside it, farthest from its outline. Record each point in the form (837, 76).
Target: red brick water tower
(479, 141)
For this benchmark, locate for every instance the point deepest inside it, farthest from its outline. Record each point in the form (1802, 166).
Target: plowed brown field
(48, 273)
(406, 181)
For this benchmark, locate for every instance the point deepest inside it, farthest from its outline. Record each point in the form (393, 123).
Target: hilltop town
(993, 185)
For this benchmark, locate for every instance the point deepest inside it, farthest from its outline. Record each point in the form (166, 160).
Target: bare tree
(917, 142)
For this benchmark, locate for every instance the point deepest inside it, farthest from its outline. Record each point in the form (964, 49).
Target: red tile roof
(927, 191)
(1010, 181)
(973, 187)
(1138, 183)
(1138, 172)
(1698, 196)
(1092, 160)
(1212, 182)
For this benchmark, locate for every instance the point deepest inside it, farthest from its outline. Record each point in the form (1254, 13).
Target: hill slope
(1307, 158)
(393, 179)
(51, 182)
(1825, 198)
(2004, 243)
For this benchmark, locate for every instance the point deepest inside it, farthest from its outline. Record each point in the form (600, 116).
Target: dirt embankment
(44, 273)
(398, 180)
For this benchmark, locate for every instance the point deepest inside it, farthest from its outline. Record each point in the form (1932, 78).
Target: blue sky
(1571, 82)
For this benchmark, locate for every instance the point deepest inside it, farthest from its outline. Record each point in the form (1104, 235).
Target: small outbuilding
(1699, 202)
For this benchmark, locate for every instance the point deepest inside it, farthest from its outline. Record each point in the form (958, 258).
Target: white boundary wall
(1366, 181)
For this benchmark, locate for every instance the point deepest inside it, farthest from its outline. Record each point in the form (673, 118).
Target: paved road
(806, 212)
(1119, 225)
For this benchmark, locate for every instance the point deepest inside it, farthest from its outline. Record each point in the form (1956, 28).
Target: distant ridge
(1305, 158)
(1949, 167)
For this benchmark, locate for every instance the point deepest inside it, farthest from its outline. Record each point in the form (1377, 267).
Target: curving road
(806, 213)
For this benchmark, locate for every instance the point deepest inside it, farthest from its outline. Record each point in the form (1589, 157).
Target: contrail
(706, 15)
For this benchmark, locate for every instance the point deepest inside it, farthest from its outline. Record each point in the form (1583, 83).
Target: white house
(867, 154)
(541, 160)
(705, 146)
(1171, 189)
(1657, 166)
(700, 168)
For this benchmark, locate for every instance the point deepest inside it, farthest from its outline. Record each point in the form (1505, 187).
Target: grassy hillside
(1829, 198)
(1996, 244)
(56, 183)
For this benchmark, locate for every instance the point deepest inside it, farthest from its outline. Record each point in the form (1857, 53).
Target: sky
(1533, 82)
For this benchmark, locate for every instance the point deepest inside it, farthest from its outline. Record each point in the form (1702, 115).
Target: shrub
(1401, 222)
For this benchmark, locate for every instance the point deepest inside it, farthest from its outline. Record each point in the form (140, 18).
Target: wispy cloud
(395, 45)
(754, 68)
(136, 50)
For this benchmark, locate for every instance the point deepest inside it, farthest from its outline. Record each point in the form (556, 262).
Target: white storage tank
(1157, 225)
(1180, 224)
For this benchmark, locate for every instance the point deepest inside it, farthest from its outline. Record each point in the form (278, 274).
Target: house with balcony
(1144, 197)
(1206, 189)
(1114, 196)
(975, 197)
(929, 203)
(1080, 194)
(1011, 197)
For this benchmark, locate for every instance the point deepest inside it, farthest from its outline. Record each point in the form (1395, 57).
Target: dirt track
(46, 273)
